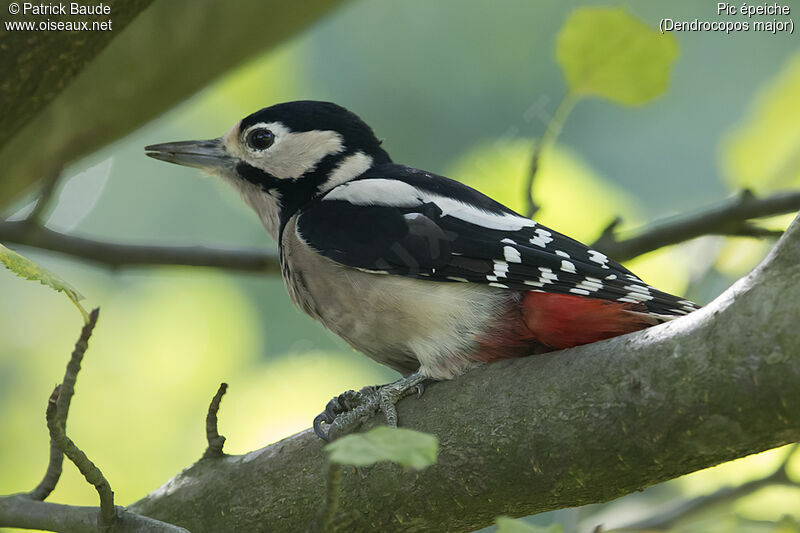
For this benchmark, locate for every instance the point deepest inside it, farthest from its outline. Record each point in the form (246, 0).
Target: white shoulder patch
(395, 193)
(351, 167)
(376, 191)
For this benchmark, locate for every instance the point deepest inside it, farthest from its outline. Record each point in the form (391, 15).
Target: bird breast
(404, 323)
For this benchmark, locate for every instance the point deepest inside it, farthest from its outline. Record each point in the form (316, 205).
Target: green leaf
(25, 268)
(409, 448)
(510, 525)
(763, 152)
(609, 53)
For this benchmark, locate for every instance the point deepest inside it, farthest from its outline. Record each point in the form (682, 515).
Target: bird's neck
(331, 171)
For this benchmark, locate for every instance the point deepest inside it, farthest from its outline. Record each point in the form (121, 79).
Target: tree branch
(115, 255)
(67, 390)
(728, 219)
(41, 66)
(89, 470)
(534, 434)
(28, 511)
(23, 512)
(32, 78)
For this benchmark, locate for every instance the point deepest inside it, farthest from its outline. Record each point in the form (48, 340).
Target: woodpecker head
(282, 157)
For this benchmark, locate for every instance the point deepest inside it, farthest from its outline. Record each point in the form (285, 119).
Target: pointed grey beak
(206, 155)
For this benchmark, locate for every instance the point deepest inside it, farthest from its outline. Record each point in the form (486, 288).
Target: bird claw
(346, 401)
(348, 410)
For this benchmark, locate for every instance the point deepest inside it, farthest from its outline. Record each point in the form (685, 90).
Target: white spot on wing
(533, 283)
(500, 269)
(542, 238)
(567, 266)
(638, 292)
(599, 258)
(562, 253)
(637, 288)
(547, 276)
(511, 254)
(590, 284)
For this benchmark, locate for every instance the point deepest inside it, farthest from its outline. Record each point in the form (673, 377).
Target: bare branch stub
(66, 391)
(215, 440)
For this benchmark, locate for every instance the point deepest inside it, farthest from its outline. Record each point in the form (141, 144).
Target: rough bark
(525, 436)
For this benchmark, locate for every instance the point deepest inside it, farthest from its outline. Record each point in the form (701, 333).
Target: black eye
(260, 139)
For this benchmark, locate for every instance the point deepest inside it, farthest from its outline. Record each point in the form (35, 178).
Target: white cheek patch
(294, 154)
(394, 193)
(291, 155)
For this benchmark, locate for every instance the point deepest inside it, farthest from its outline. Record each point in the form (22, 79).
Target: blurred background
(454, 87)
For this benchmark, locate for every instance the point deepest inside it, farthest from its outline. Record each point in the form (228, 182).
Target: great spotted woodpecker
(419, 272)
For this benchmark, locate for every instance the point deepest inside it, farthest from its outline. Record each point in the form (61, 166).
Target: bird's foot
(348, 410)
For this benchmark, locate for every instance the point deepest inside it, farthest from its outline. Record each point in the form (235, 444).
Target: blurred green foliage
(763, 152)
(458, 88)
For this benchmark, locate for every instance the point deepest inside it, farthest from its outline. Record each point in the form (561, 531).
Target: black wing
(402, 221)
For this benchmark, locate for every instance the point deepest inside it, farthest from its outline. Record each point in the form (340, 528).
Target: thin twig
(682, 511)
(215, 440)
(548, 137)
(89, 470)
(113, 255)
(67, 387)
(729, 218)
(45, 197)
